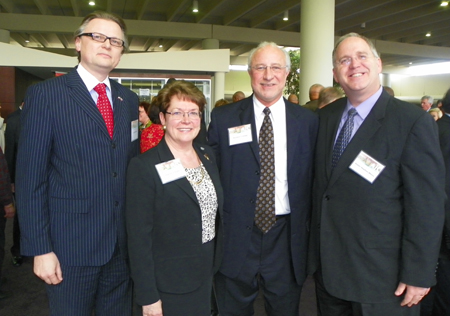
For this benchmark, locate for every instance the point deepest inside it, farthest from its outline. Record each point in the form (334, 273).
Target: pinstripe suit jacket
(70, 179)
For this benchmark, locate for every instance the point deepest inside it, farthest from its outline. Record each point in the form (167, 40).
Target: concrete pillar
(385, 79)
(210, 43)
(316, 45)
(4, 36)
(218, 83)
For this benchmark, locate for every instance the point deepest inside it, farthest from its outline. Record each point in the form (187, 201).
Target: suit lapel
(119, 108)
(212, 171)
(247, 116)
(364, 134)
(292, 134)
(331, 123)
(81, 96)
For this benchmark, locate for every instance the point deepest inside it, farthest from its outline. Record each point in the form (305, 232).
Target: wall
(413, 88)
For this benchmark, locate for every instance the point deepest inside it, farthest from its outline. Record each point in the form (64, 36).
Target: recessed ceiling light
(444, 3)
(91, 3)
(27, 41)
(410, 63)
(195, 6)
(428, 34)
(286, 15)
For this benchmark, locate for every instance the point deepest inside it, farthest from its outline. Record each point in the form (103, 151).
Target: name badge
(134, 130)
(367, 167)
(170, 170)
(240, 134)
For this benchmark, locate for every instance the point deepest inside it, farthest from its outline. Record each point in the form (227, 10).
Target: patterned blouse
(151, 136)
(207, 198)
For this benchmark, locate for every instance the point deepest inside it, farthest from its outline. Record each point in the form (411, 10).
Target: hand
(10, 210)
(413, 294)
(47, 268)
(13, 188)
(154, 309)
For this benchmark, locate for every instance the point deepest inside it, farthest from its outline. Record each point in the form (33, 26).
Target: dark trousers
(328, 305)
(268, 266)
(104, 289)
(15, 249)
(2, 239)
(441, 305)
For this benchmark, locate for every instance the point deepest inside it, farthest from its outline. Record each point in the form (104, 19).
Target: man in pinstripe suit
(70, 179)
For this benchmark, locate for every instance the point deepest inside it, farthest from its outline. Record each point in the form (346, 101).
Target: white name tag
(367, 167)
(170, 170)
(240, 134)
(134, 130)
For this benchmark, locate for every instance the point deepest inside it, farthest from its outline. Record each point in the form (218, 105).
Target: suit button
(327, 197)
(114, 174)
(252, 201)
(249, 228)
(113, 145)
(257, 172)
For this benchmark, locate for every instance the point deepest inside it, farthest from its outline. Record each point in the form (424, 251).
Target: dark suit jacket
(12, 134)
(70, 178)
(369, 237)
(239, 170)
(444, 140)
(165, 228)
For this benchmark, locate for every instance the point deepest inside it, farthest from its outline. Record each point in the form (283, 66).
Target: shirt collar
(89, 80)
(365, 107)
(274, 108)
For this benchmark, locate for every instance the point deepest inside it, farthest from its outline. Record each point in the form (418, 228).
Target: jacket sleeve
(140, 199)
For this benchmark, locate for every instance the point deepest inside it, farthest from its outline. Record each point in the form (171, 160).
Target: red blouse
(151, 136)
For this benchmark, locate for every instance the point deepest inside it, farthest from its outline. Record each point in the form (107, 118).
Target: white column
(385, 80)
(316, 44)
(218, 82)
(4, 36)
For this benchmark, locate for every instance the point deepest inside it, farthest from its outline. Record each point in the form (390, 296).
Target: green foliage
(293, 79)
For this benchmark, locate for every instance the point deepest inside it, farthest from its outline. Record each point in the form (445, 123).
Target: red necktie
(104, 106)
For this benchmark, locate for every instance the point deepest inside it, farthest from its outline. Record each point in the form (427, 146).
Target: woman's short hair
(437, 110)
(183, 90)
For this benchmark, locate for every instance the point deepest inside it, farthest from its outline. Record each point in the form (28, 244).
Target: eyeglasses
(178, 115)
(347, 60)
(275, 69)
(98, 37)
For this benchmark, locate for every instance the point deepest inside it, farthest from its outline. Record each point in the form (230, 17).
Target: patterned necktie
(104, 106)
(344, 137)
(265, 196)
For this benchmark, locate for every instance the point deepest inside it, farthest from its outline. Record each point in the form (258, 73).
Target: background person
(174, 224)
(152, 135)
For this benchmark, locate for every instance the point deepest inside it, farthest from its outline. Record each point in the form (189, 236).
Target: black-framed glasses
(178, 115)
(101, 38)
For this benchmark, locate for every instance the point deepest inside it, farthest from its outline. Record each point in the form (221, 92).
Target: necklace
(201, 179)
(202, 171)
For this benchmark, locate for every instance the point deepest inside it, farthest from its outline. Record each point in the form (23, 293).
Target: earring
(164, 127)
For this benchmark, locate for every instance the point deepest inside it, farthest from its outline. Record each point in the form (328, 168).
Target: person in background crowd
(238, 96)
(426, 103)
(435, 113)
(12, 134)
(144, 120)
(328, 95)
(293, 98)
(152, 135)
(314, 92)
(7, 210)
